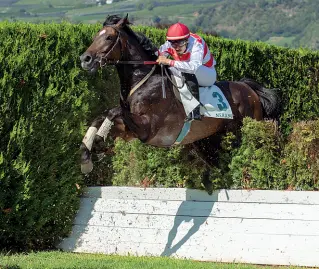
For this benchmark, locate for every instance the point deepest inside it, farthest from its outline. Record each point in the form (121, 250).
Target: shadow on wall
(196, 208)
(81, 221)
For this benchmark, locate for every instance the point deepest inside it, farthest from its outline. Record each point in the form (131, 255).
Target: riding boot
(193, 86)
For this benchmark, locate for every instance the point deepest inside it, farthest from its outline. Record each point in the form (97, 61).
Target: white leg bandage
(105, 128)
(89, 137)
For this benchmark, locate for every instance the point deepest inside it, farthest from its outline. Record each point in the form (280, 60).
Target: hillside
(290, 23)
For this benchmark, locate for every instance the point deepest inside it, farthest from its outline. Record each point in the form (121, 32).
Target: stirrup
(194, 115)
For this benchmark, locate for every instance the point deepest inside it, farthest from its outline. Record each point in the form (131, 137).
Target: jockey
(190, 57)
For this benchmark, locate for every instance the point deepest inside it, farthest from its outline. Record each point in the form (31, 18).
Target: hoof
(86, 168)
(208, 186)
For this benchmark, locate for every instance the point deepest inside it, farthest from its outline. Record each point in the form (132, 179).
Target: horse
(145, 112)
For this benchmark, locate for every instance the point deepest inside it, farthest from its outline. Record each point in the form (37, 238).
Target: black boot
(193, 86)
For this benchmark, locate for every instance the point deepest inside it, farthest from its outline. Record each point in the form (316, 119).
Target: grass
(64, 260)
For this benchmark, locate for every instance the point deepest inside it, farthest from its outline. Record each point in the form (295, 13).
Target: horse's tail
(269, 98)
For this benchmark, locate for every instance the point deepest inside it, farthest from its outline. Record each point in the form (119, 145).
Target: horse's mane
(142, 40)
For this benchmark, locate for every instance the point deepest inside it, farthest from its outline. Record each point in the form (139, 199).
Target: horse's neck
(130, 74)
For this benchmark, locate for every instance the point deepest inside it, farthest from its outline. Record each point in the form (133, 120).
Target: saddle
(213, 100)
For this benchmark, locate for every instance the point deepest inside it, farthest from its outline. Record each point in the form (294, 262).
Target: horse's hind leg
(207, 151)
(195, 152)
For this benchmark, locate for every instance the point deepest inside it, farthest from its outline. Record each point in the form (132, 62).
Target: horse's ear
(122, 22)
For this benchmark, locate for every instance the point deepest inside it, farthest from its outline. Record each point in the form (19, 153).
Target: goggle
(178, 43)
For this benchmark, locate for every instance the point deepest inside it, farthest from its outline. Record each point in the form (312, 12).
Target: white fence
(261, 227)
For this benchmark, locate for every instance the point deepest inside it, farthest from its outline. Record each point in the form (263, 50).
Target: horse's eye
(109, 37)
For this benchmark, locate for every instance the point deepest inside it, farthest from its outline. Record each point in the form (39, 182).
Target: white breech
(206, 76)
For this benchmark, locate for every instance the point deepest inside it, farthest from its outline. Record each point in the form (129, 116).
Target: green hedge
(301, 157)
(256, 163)
(47, 101)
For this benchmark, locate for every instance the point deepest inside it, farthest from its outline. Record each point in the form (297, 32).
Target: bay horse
(144, 111)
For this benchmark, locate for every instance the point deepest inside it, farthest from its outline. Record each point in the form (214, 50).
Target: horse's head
(107, 45)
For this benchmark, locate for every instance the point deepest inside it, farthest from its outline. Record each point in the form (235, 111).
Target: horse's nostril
(87, 59)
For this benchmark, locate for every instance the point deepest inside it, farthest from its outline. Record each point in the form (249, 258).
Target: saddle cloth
(213, 101)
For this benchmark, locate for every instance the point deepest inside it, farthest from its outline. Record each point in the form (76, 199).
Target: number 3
(221, 105)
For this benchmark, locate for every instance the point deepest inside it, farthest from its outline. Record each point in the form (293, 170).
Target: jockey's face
(179, 45)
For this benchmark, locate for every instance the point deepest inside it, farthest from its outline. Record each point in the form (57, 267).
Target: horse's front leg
(94, 139)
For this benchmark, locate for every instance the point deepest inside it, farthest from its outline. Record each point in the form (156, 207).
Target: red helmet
(177, 31)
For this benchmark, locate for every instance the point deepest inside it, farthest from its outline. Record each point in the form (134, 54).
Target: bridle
(108, 62)
(104, 57)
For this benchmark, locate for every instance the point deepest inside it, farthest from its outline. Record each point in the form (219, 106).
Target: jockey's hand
(163, 60)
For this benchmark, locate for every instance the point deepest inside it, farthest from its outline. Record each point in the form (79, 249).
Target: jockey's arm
(190, 66)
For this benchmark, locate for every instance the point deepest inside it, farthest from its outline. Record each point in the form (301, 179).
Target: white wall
(262, 227)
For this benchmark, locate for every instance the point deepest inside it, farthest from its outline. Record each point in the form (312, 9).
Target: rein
(107, 62)
(130, 62)
(147, 63)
